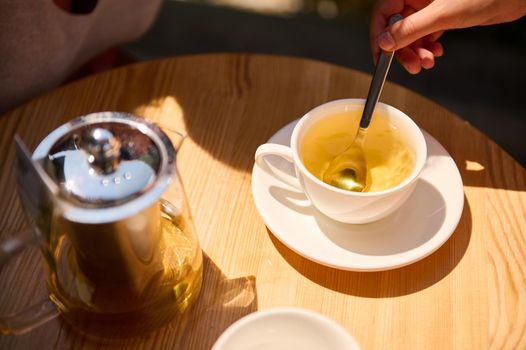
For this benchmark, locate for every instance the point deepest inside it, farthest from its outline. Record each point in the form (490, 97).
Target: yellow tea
(109, 302)
(389, 158)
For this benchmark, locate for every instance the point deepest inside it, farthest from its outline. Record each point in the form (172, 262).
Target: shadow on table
(392, 283)
(221, 302)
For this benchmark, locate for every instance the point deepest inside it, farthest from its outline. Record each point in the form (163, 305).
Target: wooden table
(470, 294)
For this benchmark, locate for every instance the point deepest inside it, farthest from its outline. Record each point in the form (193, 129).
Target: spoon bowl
(348, 170)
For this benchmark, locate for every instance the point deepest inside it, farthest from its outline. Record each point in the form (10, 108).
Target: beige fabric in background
(41, 44)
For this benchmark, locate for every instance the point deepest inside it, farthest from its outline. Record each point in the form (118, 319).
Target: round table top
(469, 294)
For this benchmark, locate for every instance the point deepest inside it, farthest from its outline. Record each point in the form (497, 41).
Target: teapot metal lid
(108, 165)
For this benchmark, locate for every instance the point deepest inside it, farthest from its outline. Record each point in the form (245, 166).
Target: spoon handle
(379, 75)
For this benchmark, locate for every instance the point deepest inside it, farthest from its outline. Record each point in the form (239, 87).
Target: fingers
(420, 55)
(383, 10)
(409, 60)
(377, 25)
(386, 8)
(409, 29)
(414, 38)
(435, 47)
(426, 57)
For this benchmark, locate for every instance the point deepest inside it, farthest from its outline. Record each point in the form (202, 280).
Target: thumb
(409, 29)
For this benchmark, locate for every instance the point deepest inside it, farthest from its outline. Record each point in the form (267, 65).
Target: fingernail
(386, 41)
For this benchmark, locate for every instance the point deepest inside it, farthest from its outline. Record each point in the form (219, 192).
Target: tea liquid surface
(389, 158)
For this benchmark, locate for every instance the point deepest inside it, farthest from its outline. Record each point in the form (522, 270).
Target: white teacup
(338, 204)
(285, 328)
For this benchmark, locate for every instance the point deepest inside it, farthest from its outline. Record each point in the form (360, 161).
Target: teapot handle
(35, 315)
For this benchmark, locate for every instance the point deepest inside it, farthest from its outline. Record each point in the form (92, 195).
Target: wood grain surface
(470, 294)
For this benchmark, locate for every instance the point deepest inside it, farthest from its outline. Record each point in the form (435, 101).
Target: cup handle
(285, 152)
(35, 315)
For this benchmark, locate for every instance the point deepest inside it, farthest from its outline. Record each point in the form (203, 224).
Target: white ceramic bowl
(285, 328)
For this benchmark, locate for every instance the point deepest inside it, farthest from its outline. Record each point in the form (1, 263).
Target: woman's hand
(415, 38)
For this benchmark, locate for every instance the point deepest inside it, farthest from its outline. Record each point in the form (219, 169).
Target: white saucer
(417, 229)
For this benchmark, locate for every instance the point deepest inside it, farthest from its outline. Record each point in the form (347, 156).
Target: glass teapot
(112, 221)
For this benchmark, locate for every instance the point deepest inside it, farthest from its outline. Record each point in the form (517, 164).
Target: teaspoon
(348, 170)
